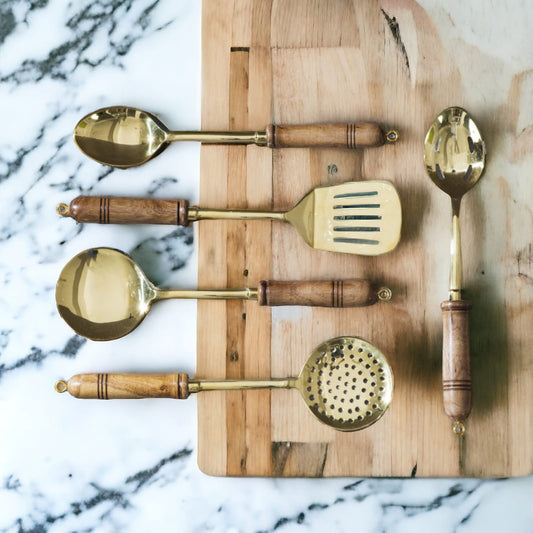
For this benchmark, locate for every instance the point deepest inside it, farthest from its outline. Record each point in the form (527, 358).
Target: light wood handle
(124, 210)
(336, 293)
(456, 376)
(327, 135)
(126, 386)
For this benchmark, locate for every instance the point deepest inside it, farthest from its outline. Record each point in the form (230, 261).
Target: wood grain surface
(127, 210)
(328, 135)
(323, 293)
(304, 62)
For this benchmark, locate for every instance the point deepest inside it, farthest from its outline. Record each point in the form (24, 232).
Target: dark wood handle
(329, 135)
(124, 210)
(126, 386)
(456, 376)
(348, 293)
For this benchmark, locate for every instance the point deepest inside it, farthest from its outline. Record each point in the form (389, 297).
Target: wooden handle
(330, 135)
(124, 210)
(349, 293)
(126, 386)
(456, 376)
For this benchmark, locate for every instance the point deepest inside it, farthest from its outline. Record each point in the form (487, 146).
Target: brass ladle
(124, 137)
(347, 384)
(454, 154)
(103, 294)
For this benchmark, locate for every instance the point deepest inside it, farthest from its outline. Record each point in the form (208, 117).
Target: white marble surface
(68, 465)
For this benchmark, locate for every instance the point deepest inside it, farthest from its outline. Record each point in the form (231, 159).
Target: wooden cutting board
(297, 62)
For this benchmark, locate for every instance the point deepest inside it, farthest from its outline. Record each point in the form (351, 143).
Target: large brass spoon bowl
(123, 137)
(454, 154)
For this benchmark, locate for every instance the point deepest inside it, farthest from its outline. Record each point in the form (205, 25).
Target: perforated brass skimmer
(347, 384)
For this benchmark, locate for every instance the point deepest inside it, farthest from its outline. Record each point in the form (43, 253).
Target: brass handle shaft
(126, 210)
(342, 135)
(176, 386)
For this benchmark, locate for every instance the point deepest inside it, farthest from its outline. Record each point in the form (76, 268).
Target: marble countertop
(68, 465)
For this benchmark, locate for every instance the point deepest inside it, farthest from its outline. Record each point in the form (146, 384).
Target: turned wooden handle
(456, 376)
(337, 293)
(330, 135)
(124, 210)
(126, 386)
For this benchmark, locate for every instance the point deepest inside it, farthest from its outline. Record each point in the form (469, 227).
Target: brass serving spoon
(124, 137)
(454, 154)
(103, 294)
(347, 384)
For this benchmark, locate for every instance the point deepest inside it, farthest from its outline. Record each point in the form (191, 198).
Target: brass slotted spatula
(103, 294)
(359, 217)
(347, 383)
(124, 137)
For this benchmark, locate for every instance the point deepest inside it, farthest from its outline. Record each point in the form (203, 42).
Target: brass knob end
(384, 294)
(61, 386)
(62, 209)
(459, 428)
(392, 136)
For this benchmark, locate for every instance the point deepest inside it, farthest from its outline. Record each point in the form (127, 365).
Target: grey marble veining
(68, 465)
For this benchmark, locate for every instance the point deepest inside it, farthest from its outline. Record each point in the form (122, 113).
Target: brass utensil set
(347, 383)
